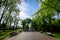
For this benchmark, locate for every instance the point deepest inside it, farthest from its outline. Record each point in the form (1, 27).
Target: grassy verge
(57, 35)
(6, 33)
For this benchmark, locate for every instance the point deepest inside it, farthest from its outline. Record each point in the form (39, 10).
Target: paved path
(31, 36)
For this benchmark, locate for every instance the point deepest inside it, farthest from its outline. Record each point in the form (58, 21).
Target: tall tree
(7, 5)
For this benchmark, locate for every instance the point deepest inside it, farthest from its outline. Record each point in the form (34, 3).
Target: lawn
(57, 35)
(7, 33)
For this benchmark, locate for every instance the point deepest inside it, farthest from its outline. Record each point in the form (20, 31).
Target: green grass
(7, 33)
(57, 35)
(4, 34)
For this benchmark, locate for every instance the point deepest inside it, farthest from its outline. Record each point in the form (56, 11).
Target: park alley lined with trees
(45, 19)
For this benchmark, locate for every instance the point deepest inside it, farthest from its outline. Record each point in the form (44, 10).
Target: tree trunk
(5, 9)
(50, 24)
(7, 19)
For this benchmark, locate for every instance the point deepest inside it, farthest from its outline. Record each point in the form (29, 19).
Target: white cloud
(43, 0)
(23, 7)
(23, 15)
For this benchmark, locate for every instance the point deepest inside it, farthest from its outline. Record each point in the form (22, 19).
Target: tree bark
(50, 24)
(5, 9)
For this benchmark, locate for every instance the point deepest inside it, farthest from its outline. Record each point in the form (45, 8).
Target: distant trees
(25, 23)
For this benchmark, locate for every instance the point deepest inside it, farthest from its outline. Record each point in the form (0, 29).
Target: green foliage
(25, 23)
(9, 6)
(45, 16)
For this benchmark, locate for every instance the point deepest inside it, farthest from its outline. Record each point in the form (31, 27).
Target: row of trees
(25, 23)
(47, 18)
(8, 14)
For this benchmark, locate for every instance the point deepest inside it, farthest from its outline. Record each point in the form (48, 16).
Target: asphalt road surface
(31, 36)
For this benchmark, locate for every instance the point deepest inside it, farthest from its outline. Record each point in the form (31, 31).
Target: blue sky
(28, 8)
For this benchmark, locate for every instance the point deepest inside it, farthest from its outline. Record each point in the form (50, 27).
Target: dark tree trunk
(23, 27)
(3, 25)
(5, 9)
(50, 24)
